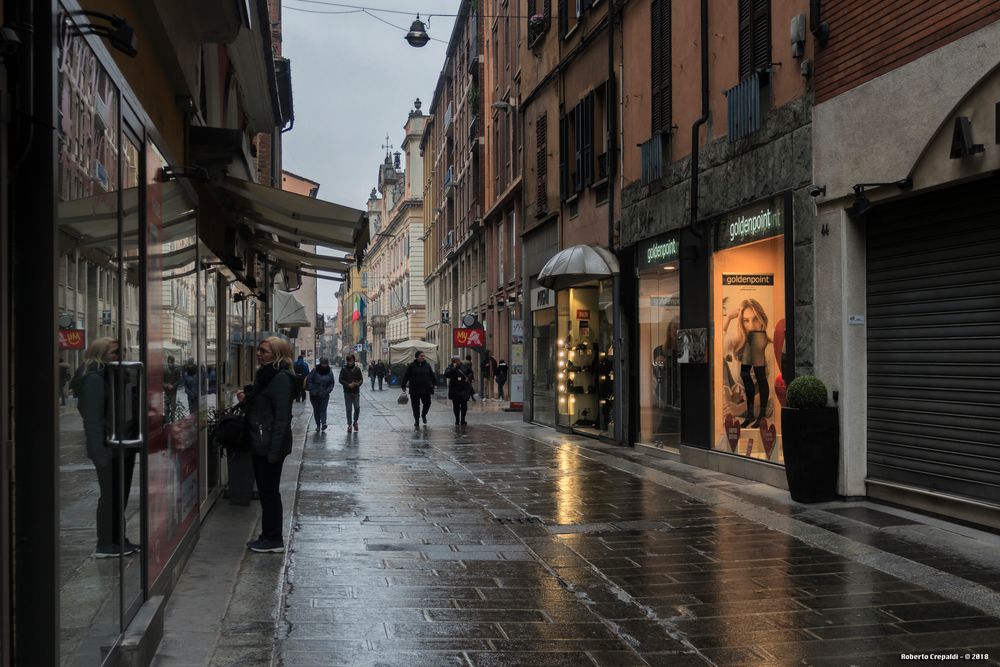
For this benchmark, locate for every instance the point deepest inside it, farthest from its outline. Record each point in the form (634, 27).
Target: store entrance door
(101, 402)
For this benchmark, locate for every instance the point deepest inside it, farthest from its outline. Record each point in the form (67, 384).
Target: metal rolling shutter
(934, 342)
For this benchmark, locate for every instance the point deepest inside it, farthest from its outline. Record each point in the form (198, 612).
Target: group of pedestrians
(280, 381)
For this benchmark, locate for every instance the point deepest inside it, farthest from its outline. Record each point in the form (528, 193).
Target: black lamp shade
(418, 34)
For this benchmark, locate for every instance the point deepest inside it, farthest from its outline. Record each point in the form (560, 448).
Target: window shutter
(563, 157)
(541, 164)
(662, 119)
(532, 7)
(745, 38)
(563, 19)
(610, 111)
(547, 11)
(761, 34)
(755, 36)
(577, 122)
(587, 152)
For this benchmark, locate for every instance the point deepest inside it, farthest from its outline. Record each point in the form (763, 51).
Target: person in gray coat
(114, 466)
(268, 405)
(320, 383)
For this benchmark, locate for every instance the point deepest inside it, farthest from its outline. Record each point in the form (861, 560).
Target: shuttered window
(662, 112)
(585, 121)
(563, 157)
(755, 36)
(541, 165)
(563, 18)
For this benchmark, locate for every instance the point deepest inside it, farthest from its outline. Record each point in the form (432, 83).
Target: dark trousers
(268, 476)
(113, 479)
(762, 388)
(460, 408)
(319, 404)
(418, 400)
(352, 401)
(300, 388)
(500, 390)
(380, 378)
(373, 382)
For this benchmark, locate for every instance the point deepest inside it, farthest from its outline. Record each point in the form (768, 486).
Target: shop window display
(585, 380)
(659, 372)
(748, 288)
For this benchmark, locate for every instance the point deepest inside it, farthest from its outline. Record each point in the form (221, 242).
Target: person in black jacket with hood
(419, 377)
(269, 424)
(459, 389)
(352, 379)
(320, 384)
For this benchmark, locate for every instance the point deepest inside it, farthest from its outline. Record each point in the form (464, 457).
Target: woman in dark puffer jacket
(269, 428)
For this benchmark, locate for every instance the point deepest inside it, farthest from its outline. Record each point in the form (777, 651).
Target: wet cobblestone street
(501, 543)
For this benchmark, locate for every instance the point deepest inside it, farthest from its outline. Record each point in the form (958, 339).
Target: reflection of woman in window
(113, 465)
(750, 347)
(665, 367)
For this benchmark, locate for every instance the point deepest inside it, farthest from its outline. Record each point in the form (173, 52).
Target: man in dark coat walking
(420, 379)
(501, 377)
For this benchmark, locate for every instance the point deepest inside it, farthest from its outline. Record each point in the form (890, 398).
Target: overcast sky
(354, 79)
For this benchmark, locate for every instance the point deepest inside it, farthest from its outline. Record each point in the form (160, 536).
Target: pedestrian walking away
(268, 404)
(371, 375)
(320, 384)
(488, 368)
(64, 375)
(380, 372)
(419, 378)
(501, 377)
(171, 378)
(191, 381)
(469, 373)
(352, 379)
(301, 372)
(459, 389)
(114, 466)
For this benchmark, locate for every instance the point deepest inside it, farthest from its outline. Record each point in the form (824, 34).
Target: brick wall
(868, 39)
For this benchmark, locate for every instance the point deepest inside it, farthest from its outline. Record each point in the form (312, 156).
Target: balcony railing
(449, 180)
(651, 153)
(743, 108)
(448, 117)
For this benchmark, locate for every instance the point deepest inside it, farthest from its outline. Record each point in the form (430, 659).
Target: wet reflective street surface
(502, 543)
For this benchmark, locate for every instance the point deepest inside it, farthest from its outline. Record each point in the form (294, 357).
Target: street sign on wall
(468, 337)
(516, 364)
(71, 339)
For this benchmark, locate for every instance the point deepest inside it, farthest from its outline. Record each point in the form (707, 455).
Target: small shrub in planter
(810, 436)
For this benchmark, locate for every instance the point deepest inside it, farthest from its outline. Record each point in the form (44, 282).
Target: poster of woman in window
(748, 364)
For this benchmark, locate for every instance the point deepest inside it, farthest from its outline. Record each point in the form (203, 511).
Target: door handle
(122, 374)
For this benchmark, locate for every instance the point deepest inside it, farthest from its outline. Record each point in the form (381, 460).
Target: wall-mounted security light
(862, 204)
(118, 32)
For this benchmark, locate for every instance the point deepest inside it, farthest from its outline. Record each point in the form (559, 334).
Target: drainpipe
(614, 8)
(702, 119)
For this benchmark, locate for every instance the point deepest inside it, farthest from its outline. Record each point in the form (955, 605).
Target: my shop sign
(658, 251)
(760, 221)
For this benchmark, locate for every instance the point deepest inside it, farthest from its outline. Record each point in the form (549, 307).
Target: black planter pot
(811, 441)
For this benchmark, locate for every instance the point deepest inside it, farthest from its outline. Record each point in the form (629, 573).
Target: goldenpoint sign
(751, 224)
(661, 250)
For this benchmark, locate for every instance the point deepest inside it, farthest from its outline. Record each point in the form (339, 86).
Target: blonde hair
(282, 351)
(97, 350)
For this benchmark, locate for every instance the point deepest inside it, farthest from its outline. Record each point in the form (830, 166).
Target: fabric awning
(295, 217)
(293, 258)
(289, 311)
(577, 264)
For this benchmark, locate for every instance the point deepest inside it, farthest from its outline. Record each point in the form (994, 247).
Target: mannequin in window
(750, 348)
(665, 375)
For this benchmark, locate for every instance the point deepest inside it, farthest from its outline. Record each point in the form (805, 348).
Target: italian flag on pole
(357, 308)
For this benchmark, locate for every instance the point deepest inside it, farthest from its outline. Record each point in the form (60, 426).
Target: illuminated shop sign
(661, 250)
(754, 223)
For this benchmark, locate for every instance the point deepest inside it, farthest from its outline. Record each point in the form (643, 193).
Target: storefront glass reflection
(748, 291)
(99, 326)
(543, 361)
(174, 385)
(659, 373)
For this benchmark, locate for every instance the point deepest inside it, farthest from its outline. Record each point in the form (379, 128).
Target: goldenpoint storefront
(711, 338)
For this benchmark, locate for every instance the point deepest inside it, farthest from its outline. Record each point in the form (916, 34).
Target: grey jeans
(352, 402)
